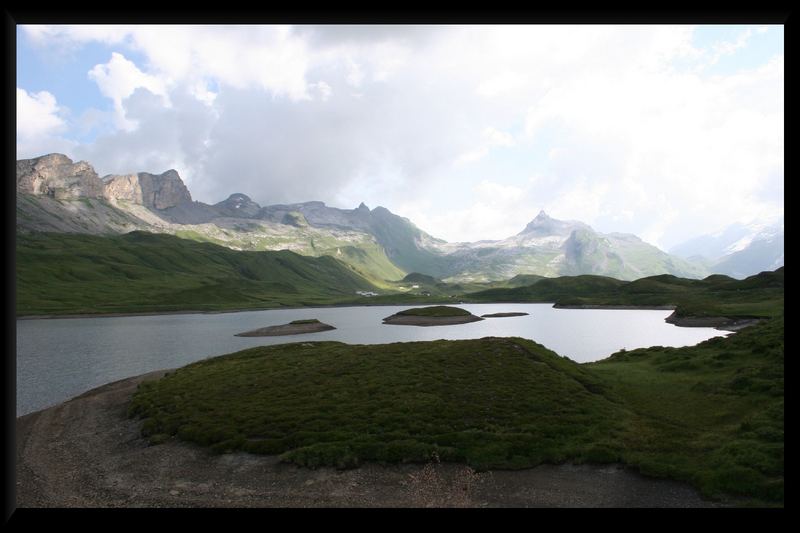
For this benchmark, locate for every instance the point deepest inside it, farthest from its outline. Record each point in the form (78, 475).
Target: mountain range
(55, 194)
(738, 250)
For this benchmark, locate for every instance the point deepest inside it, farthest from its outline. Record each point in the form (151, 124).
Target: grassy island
(439, 315)
(295, 327)
(435, 311)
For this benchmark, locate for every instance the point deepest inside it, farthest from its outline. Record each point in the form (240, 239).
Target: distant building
(367, 293)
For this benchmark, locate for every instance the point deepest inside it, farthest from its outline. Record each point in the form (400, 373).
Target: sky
(667, 132)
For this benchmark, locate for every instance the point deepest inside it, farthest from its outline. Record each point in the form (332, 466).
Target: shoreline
(86, 452)
(286, 329)
(415, 320)
(616, 307)
(214, 312)
(717, 322)
(721, 323)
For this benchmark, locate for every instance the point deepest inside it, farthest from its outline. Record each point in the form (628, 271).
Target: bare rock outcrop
(125, 187)
(156, 191)
(238, 205)
(57, 176)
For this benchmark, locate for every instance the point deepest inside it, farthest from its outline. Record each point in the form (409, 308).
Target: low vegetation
(759, 296)
(711, 415)
(435, 311)
(490, 403)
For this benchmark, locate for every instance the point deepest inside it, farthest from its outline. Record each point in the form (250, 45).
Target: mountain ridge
(55, 194)
(738, 250)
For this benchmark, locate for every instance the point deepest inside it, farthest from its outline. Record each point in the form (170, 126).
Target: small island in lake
(502, 315)
(439, 315)
(296, 327)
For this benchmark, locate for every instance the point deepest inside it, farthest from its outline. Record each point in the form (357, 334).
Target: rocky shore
(411, 320)
(503, 315)
(293, 328)
(719, 322)
(87, 453)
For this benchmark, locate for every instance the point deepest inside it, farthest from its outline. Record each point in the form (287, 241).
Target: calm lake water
(58, 359)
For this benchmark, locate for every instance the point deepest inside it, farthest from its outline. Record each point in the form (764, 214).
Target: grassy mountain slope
(402, 240)
(358, 250)
(622, 256)
(137, 272)
(100, 217)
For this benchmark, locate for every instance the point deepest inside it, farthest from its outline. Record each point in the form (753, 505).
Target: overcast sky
(667, 132)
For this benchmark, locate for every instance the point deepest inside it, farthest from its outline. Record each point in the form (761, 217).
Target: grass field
(711, 415)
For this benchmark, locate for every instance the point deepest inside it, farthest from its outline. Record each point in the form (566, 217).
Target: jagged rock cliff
(156, 191)
(125, 188)
(57, 176)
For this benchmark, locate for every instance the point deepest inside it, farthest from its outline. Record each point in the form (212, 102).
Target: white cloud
(201, 91)
(490, 138)
(37, 115)
(40, 125)
(498, 211)
(724, 48)
(119, 78)
(323, 90)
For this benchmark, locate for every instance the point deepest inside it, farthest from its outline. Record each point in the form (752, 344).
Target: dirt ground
(86, 453)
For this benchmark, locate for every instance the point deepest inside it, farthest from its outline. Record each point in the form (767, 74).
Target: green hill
(758, 296)
(144, 272)
(416, 277)
(488, 402)
(550, 289)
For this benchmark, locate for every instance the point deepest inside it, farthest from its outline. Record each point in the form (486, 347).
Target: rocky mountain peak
(238, 205)
(545, 225)
(363, 207)
(57, 176)
(156, 191)
(164, 190)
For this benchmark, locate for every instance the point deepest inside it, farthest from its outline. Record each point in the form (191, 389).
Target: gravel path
(86, 453)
